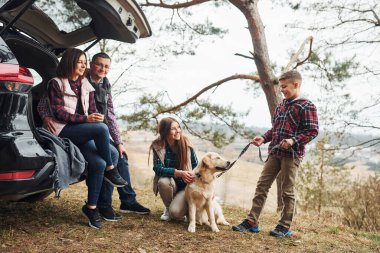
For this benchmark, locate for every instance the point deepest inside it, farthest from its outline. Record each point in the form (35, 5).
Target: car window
(68, 16)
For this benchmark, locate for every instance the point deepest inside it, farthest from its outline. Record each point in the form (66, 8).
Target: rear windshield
(67, 15)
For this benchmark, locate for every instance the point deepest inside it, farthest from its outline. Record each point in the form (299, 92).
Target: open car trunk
(120, 20)
(30, 38)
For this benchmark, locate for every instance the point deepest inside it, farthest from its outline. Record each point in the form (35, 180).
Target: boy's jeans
(126, 194)
(272, 167)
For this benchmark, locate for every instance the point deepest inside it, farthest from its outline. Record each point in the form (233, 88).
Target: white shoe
(165, 216)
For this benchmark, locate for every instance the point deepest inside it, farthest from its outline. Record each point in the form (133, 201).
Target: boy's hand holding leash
(286, 143)
(257, 141)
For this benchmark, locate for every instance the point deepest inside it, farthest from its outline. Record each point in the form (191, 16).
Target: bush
(361, 205)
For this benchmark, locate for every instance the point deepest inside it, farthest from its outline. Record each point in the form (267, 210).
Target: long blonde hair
(181, 145)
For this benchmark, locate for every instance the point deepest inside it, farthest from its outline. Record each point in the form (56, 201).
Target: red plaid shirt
(296, 119)
(57, 103)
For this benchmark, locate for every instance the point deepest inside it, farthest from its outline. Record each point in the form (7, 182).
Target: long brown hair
(66, 67)
(181, 145)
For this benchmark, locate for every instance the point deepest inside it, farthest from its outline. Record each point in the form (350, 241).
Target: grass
(57, 226)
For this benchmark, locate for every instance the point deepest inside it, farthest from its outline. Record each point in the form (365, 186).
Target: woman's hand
(187, 176)
(49, 124)
(95, 118)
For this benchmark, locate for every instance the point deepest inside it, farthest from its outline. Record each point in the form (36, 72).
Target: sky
(183, 76)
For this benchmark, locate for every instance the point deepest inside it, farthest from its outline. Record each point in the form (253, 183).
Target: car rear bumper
(18, 189)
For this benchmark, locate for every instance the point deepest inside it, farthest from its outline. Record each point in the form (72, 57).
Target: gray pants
(173, 200)
(288, 167)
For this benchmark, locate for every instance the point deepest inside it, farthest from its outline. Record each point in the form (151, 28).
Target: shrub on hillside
(320, 183)
(361, 205)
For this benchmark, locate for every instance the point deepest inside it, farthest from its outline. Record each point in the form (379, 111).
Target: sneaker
(281, 231)
(247, 226)
(165, 216)
(109, 214)
(93, 217)
(114, 178)
(134, 208)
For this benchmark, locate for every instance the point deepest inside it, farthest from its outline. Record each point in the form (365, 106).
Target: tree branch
(122, 73)
(361, 125)
(222, 119)
(245, 56)
(298, 53)
(174, 6)
(255, 78)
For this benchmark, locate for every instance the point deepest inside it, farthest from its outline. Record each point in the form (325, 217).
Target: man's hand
(95, 118)
(286, 143)
(122, 151)
(49, 124)
(257, 141)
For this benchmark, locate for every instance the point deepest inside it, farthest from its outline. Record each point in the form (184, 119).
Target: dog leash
(232, 164)
(260, 156)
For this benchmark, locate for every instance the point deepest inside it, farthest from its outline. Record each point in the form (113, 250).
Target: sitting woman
(72, 102)
(173, 162)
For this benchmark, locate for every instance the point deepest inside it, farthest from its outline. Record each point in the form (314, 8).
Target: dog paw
(216, 230)
(224, 223)
(191, 229)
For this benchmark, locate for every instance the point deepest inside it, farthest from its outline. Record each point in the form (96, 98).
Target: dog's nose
(228, 163)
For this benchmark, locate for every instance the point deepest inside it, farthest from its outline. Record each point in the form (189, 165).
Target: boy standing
(295, 123)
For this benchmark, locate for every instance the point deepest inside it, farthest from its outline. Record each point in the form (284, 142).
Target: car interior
(109, 20)
(36, 42)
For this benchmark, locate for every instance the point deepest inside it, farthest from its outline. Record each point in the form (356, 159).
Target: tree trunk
(268, 80)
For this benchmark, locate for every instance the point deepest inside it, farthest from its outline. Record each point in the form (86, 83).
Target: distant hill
(369, 158)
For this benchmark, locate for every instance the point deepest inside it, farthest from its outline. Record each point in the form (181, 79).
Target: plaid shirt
(43, 108)
(296, 119)
(167, 168)
(57, 103)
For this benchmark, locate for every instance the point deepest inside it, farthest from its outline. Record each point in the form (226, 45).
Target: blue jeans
(80, 134)
(126, 194)
(95, 169)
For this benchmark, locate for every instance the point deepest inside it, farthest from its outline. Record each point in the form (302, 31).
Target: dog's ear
(206, 161)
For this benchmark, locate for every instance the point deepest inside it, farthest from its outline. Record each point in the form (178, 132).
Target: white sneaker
(165, 216)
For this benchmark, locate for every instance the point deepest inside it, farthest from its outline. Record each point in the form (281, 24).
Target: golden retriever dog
(199, 195)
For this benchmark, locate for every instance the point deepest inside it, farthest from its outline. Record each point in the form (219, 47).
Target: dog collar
(200, 178)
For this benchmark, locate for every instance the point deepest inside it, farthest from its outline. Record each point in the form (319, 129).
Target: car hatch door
(121, 20)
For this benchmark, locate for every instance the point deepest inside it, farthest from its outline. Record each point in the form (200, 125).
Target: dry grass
(58, 226)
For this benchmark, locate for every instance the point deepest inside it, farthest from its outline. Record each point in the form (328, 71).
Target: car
(30, 46)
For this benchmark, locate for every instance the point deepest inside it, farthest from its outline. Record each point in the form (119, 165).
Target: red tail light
(10, 80)
(17, 175)
(15, 73)
(24, 76)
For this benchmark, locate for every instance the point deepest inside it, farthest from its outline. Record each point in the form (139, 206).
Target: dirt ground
(56, 225)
